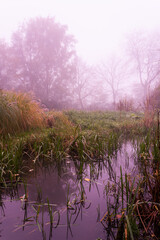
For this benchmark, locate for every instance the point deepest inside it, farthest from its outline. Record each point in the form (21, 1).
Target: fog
(87, 55)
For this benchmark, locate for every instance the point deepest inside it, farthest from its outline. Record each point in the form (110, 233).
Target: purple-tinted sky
(98, 25)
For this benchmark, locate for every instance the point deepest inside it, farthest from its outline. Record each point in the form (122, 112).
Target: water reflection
(65, 203)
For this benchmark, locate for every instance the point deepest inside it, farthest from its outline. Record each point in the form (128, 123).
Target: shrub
(125, 104)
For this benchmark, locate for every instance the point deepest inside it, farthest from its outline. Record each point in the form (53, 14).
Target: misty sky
(98, 25)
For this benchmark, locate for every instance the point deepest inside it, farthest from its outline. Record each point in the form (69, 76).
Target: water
(84, 193)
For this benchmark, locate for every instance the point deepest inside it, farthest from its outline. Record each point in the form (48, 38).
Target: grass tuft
(19, 112)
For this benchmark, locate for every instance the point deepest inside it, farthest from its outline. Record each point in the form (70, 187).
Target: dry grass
(19, 112)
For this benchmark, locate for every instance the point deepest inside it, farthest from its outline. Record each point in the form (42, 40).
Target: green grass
(27, 132)
(103, 122)
(31, 137)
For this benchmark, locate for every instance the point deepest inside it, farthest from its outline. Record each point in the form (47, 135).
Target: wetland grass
(134, 201)
(18, 112)
(121, 195)
(85, 136)
(30, 137)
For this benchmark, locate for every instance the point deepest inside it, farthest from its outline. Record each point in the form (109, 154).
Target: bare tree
(111, 74)
(144, 52)
(84, 87)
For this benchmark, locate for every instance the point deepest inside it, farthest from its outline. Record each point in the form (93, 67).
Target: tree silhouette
(44, 60)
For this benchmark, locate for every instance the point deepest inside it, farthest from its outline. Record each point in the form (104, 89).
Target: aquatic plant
(121, 197)
(65, 136)
(133, 203)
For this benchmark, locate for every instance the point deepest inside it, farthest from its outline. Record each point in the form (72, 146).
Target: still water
(37, 209)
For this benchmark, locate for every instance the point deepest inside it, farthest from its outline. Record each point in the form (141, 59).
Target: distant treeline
(41, 58)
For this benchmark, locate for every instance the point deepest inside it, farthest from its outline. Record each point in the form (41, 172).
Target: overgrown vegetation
(27, 132)
(133, 200)
(19, 112)
(31, 137)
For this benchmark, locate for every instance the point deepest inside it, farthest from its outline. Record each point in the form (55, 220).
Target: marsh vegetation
(63, 173)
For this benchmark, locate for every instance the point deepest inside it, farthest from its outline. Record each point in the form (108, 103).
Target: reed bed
(19, 112)
(31, 137)
(134, 200)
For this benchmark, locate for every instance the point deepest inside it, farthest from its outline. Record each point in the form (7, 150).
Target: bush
(125, 104)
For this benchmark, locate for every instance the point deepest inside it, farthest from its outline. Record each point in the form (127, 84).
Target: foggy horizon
(85, 55)
(100, 27)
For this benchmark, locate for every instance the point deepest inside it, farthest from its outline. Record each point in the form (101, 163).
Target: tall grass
(121, 198)
(134, 202)
(19, 112)
(85, 137)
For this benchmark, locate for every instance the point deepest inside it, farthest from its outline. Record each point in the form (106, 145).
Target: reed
(121, 197)
(133, 202)
(19, 112)
(65, 135)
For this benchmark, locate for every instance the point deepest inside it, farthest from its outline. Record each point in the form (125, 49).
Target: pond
(65, 202)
